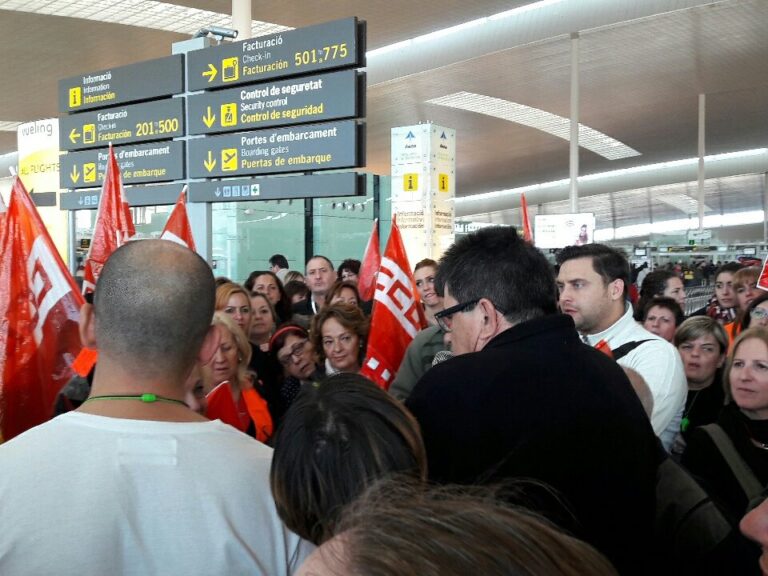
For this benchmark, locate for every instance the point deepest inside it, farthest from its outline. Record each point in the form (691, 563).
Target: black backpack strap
(744, 474)
(627, 347)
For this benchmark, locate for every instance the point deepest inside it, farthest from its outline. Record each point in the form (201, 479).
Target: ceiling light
(144, 13)
(553, 124)
(460, 27)
(678, 225)
(612, 174)
(7, 126)
(522, 9)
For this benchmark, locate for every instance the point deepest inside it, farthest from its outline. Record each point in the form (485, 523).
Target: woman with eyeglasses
(756, 313)
(424, 275)
(290, 346)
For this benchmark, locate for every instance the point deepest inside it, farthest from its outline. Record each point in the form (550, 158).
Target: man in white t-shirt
(134, 481)
(593, 281)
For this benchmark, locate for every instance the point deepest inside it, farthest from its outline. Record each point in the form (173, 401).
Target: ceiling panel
(639, 83)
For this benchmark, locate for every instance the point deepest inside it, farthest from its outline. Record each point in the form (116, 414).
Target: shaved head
(153, 306)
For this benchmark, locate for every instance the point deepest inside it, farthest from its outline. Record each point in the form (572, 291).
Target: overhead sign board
(141, 81)
(124, 124)
(299, 100)
(156, 162)
(161, 194)
(334, 44)
(699, 235)
(297, 149)
(278, 187)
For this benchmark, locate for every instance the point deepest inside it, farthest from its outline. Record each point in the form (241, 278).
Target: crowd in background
(593, 427)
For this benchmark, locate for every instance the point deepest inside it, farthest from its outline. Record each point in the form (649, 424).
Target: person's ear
(489, 319)
(210, 345)
(86, 326)
(616, 289)
(721, 361)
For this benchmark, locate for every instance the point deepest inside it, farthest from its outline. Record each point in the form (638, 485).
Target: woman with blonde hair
(731, 456)
(234, 399)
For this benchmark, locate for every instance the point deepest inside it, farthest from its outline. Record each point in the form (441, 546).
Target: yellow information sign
(442, 182)
(89, 133)
(89, 172)
(230, 69)
(229, 114)
(229, 159)
(75, 97)
(411, 182)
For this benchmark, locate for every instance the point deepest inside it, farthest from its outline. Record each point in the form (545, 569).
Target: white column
(241, 18)
(574, 148)
(702, 152)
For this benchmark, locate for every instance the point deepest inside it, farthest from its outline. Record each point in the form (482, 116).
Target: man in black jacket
(524, 398)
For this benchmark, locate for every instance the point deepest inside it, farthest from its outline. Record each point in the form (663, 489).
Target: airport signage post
(122, 125)
(156, 162)
(337, 44)
(295, 149)
(284, 103)
(140, 81)
(307, 99)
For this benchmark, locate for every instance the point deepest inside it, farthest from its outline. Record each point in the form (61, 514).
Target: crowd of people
(542, 423)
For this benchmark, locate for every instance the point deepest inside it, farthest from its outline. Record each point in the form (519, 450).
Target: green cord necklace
(147, 397)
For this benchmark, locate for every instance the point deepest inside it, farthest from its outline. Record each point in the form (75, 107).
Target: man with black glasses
(524, 398)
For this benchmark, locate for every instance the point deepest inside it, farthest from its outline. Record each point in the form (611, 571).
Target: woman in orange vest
(234, 400)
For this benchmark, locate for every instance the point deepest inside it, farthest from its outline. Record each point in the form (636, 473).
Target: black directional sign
(133, 123)
(161, 194)
(157, 162)
(297, 149)
(142, 81)
(321, 47)
(278, 187)
(299, 100)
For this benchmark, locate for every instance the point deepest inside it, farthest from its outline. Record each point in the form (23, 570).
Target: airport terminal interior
(655, 85)
(476, 415)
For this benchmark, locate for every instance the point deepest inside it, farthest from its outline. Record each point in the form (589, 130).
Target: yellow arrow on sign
(209, 118)
(210, 163)
(74, 175)
(210, 73)
(74, 135)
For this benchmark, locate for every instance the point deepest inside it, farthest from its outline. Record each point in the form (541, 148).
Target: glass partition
(246, 234)
(341, 226)
(148, 220)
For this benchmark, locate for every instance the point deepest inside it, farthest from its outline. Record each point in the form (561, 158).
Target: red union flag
(113, 227)
(40, 307)
(763, 280)
(3, 210)
(366, 281)
(177, 229)
(527, 235)
(397, 315)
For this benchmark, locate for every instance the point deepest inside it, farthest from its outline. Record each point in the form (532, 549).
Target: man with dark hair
(524, 398)
(320, 277)
(279, 265)
(134, 481)
(593, 282)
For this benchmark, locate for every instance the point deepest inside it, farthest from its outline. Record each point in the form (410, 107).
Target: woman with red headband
(293, 351)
